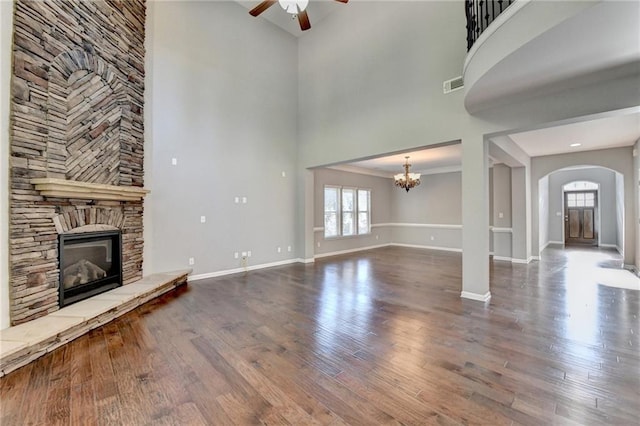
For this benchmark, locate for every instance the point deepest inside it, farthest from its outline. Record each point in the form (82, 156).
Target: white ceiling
(317, 10)
(610, 132)
(442, 158)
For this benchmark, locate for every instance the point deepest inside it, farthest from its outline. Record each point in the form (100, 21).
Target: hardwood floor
(377, 337)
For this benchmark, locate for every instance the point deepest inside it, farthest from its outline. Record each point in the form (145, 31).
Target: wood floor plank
(375, 337)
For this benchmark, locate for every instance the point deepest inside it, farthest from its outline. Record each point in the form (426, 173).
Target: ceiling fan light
(293, 6)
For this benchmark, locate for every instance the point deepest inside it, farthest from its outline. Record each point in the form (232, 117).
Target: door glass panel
(587, 224)
(590, 200)
(580, 199)
(571, 200)
(574, 223)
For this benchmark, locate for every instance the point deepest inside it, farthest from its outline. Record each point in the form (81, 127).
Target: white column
(519, 252)
(475, 219)
(305, 212)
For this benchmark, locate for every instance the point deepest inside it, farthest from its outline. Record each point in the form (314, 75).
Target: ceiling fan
(294, 7)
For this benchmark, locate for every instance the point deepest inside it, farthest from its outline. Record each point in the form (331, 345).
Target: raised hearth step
(21, 344)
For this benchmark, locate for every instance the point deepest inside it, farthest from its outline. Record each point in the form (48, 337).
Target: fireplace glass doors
(90, 264)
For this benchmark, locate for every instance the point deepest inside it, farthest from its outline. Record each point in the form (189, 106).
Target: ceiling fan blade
(262, 7)
(303, 18)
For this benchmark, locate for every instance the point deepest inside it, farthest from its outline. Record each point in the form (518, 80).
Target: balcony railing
(480, 13)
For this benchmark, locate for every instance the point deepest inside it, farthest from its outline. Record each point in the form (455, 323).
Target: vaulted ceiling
(609, 132)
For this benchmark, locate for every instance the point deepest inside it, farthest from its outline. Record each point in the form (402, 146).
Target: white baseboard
(556, 243)
(457, 250)
(336, 253)
(239, 270)
(305, 261)
(502, 258)
(475, 296)
(523, 261)
(533, 258)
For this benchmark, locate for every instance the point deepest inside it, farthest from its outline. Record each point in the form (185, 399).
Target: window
(581, 199)
(347, 211)
(580, 185)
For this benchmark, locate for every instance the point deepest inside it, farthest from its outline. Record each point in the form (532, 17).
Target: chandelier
(407, 180)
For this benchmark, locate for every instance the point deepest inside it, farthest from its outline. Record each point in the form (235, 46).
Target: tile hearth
(26, 342)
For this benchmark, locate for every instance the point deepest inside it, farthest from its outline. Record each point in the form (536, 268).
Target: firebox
(90, 264)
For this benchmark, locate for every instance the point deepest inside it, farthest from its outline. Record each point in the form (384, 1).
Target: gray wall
(501, 206)
(543, 208)
(620, 218)
(636, 200)
(436, 200)
(421, 215)
(220, 99)
(606, 204)
(381, 202)
(617, 159)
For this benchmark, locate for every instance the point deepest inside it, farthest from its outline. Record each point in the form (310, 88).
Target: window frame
(340, 213)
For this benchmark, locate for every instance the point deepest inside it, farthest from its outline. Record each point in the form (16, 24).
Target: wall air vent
(452, 85)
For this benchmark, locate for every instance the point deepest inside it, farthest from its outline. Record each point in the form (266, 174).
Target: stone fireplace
(76, 150)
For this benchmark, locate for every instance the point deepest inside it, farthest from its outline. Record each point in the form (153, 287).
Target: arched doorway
(582, 205)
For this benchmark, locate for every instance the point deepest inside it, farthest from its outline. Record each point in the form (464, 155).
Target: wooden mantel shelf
(62, 188)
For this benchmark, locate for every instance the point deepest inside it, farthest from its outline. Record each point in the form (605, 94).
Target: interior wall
(636, 199)
(520, 239)
(606, 179)
(357, 102)
(224, 106)
(436, 200)
(619, 212)
(6, 26)
(501, 234)
(617, 159)
(429, 215)
(543, 208)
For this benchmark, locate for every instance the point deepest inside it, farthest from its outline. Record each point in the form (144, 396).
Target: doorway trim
(596, 210)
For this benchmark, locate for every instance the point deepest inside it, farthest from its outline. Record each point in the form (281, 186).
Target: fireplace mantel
(61, 188)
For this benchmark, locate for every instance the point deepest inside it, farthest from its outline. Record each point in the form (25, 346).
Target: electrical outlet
(288, 248)
(318, 244)
(203, 219)
(236, 200)
(284, 174)
(500, 215)
(279, 249)
(376, 237)
(249, 253)
(432, 238)
(174, 161)
(236, 255)
(192, 261)
(244, 254)
(244, 200)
